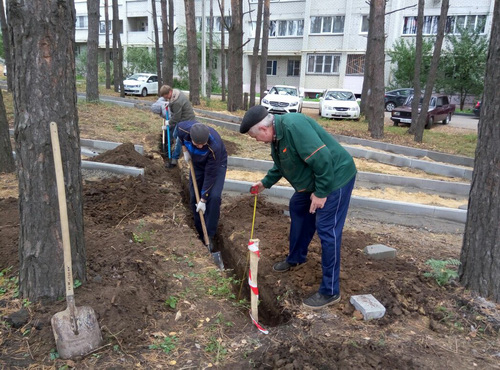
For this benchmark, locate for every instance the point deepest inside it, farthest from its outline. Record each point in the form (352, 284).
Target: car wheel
(429, 123)
(396, 123)
(390, 106)
(319, 112)
(447, 119)
(144, 92)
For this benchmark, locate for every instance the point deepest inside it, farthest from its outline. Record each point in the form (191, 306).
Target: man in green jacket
(322, 173)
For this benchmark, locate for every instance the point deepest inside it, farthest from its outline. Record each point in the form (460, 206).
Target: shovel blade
(218, 260)
(87, 339)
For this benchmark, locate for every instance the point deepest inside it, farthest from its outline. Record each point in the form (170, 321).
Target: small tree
(464, 63)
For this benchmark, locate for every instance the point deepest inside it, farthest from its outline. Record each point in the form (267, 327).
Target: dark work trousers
(328, 222)
(212, 213)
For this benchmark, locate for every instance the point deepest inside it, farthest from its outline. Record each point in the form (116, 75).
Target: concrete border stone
(113, 168)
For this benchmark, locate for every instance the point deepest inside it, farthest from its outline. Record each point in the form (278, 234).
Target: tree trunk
(373, 84)
(265, 48)
(431, 78)
(235, 70)
(120, 66)
(255, 55)
(157, 46)
(417, 88)
(192, 45)
(171, 51)
(7, 163)
(106, 37)
(47, 93)
(480, 262)
(210, 49)
(222, 53)
(6, 46)
(116, 35)
(92, 93)
(165, 42)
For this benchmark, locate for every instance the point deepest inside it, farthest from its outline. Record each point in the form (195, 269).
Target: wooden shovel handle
(197, 195)
(63, 211)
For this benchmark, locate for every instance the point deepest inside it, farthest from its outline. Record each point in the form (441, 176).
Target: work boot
(283, 266)
(318, 300)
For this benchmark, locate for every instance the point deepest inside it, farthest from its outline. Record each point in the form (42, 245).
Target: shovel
(76, 329)
(215, 255)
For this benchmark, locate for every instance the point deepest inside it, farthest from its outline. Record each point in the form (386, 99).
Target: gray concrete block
(380, 252)
(368, 306)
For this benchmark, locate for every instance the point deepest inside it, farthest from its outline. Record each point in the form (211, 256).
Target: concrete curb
(106, 145)
(401, 208)
(113, 168)
(426, 184)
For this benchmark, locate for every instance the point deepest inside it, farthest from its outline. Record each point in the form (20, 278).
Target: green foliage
(172, 301)
(167, 345)
(463, 64)
(77, 283)
(140, 235)
(54, 355)
(441, 271)
(216, 347)
(220, 286)
(139, 60)
(403, 57)
(81, 65)
(9, 284)
(2, 51)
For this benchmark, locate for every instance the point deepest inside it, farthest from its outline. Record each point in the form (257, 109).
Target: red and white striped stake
(253, 247)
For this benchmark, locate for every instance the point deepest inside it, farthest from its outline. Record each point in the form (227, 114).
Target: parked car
(339, 103)
(440, 110)
(477, 109)
(396, 98)
(141, 84)
(282, 99)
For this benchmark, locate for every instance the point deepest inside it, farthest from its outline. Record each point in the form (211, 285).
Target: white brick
(380, 252)
(368, 306)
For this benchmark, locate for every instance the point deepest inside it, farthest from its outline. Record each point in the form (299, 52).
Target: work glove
(201, 206)
(187, 156)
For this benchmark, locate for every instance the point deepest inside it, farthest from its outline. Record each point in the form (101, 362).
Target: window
(102, 27)
(289, 27)
(355, 64)
(217, 23)
(293, 68)
(364, 24)
(334, 24)
(453, 24)
(323, 63)
(82, 22)
(272, 66)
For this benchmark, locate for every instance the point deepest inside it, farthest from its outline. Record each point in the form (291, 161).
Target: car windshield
(339, 95)
(432, 103)
(284, 91)
(138, 77)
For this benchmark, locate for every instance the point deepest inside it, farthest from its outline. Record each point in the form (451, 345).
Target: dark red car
(440, 110)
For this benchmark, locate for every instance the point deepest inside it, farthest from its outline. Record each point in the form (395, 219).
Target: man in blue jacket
(204, 146)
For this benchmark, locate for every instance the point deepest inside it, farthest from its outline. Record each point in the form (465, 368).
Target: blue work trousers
(178, 146)
(328, 222)
(212, 213)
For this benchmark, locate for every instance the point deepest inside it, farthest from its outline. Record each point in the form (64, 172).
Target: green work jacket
(308, 157)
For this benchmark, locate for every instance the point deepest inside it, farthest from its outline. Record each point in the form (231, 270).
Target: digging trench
(271, 312)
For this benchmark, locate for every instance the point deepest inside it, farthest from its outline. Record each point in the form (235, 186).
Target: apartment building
(312, 44)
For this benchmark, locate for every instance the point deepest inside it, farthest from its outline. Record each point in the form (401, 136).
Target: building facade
(314, 45)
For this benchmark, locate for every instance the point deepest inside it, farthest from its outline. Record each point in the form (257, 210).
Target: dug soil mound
(162, 303)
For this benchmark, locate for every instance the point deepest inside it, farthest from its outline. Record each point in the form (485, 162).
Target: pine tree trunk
(92, 93)
(417, 88)
(222, 53)
(255, 55)
(171, 49)
(210, 50)
(106, 56)
(480, 257)
(7, 163)
(47, 93)
(165, 42)
(157, 45)
(265, 48)
(6, 46)
(116, 35)
(193, 64)
(235, 70)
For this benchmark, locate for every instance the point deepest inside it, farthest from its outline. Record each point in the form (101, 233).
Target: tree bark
(7, 163)
(235, 70)
(417, 88)
(431, 78)
(157, 46)
(480, 257)
(255, 55)
(116, 34)
(6, 46)
(192, 45)
(44, 91)
(106, 37)
(210, 49)
(171, 51)
(222, 53)
(265, 48)
(373, 84)
(92, 92)
(165, 43)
